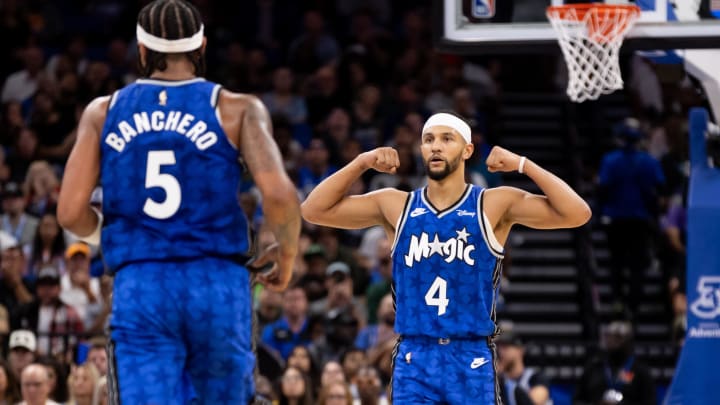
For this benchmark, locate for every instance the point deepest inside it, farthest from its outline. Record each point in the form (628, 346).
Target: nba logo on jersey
(483, 8)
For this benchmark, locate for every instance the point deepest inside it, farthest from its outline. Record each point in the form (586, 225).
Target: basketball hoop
(590, 37)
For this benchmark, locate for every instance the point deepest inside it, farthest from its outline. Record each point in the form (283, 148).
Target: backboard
(503, 26)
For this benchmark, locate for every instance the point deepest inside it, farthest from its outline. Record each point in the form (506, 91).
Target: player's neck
(444, 193)
(175, 71)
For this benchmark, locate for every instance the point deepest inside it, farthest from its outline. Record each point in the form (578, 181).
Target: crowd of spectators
(339, 78)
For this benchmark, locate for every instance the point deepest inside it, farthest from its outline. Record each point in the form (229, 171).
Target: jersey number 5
(437, 295)
(153, 178)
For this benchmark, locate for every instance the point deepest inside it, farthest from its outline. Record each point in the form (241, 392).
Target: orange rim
(602, 9)
(598, 27)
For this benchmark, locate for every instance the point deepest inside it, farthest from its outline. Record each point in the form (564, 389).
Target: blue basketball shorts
(180, 332)
(444, 371)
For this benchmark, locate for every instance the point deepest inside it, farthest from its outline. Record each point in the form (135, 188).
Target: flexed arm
(328, 204)
(560, 207)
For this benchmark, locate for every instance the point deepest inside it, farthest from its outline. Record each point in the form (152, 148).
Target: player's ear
(468, 150)
(203, 46)
(142, 53)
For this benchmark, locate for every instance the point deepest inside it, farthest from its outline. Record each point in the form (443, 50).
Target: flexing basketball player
(166, 150)
(447, 250)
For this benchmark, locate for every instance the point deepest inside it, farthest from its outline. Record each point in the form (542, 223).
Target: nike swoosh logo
(418, 212)
(478, 362)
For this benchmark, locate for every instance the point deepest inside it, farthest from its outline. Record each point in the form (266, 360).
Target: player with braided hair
(165, 149)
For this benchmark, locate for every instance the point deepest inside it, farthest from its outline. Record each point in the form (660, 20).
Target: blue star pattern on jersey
(181, 336)
(457, 373)
(169, 176)
(446, 265)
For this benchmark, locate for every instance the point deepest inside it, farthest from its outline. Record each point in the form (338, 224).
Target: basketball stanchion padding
(590, 37)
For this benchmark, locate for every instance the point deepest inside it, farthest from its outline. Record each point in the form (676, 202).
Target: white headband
(170, 45)
(451, 121)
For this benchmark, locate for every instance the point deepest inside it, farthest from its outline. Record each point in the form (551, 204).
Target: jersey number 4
(168, 182)
(436, 295)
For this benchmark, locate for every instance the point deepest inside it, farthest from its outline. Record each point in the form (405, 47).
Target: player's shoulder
(236, 100)
(96, 110)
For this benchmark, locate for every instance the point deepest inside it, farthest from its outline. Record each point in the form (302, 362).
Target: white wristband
(94, 237)
(521, 166)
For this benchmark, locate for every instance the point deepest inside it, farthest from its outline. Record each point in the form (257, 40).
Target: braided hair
(170, 19)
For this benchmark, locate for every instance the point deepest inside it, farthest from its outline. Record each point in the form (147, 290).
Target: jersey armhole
(113, 99)
(214, 98)
(487, 231)
(401, 221)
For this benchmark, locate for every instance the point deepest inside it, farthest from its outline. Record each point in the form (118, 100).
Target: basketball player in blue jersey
(447, 252)
(166, 151)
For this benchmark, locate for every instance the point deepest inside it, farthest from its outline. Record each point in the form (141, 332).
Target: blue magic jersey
(170, 176)
(446, 267)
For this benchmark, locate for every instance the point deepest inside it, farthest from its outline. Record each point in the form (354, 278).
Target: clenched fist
(502, 160)
(384, 160)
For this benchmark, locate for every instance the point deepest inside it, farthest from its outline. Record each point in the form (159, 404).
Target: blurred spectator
(616, 376)
(23, 347)
(449, 79)
(383, 276)
(314, 47)
(100, 396)
(629, 190)
(99, 319)
(57, 378)
(316, 167)
(48, 247)
(341, 327)
(314, 279)
(41, 187)
(282, 99)
(301, 359)
(57, 324)
(336, 393)
(332, 373)
(264, 390)
(269, 307)
(35, 388)
(369, 387)
(73, 56)
(290, 149)
(375, 335)
(54, 128)
(352, 360)
(292, 329)
(97, 356)
(339, 285)
(9, 385)
(521, 385)
(14, 220)
(23, 152)
(4, 325)
(366, 117)
(322, 94)
(11, 122)
(21, 85)
(336, 251)
(233, 71)
(14, 289)
(295, 388)
(82, 384)
(337, 133)
(79, 290)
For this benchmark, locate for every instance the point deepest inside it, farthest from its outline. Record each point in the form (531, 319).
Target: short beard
(450, 167)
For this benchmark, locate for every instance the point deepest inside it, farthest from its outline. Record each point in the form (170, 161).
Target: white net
(590, 38)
